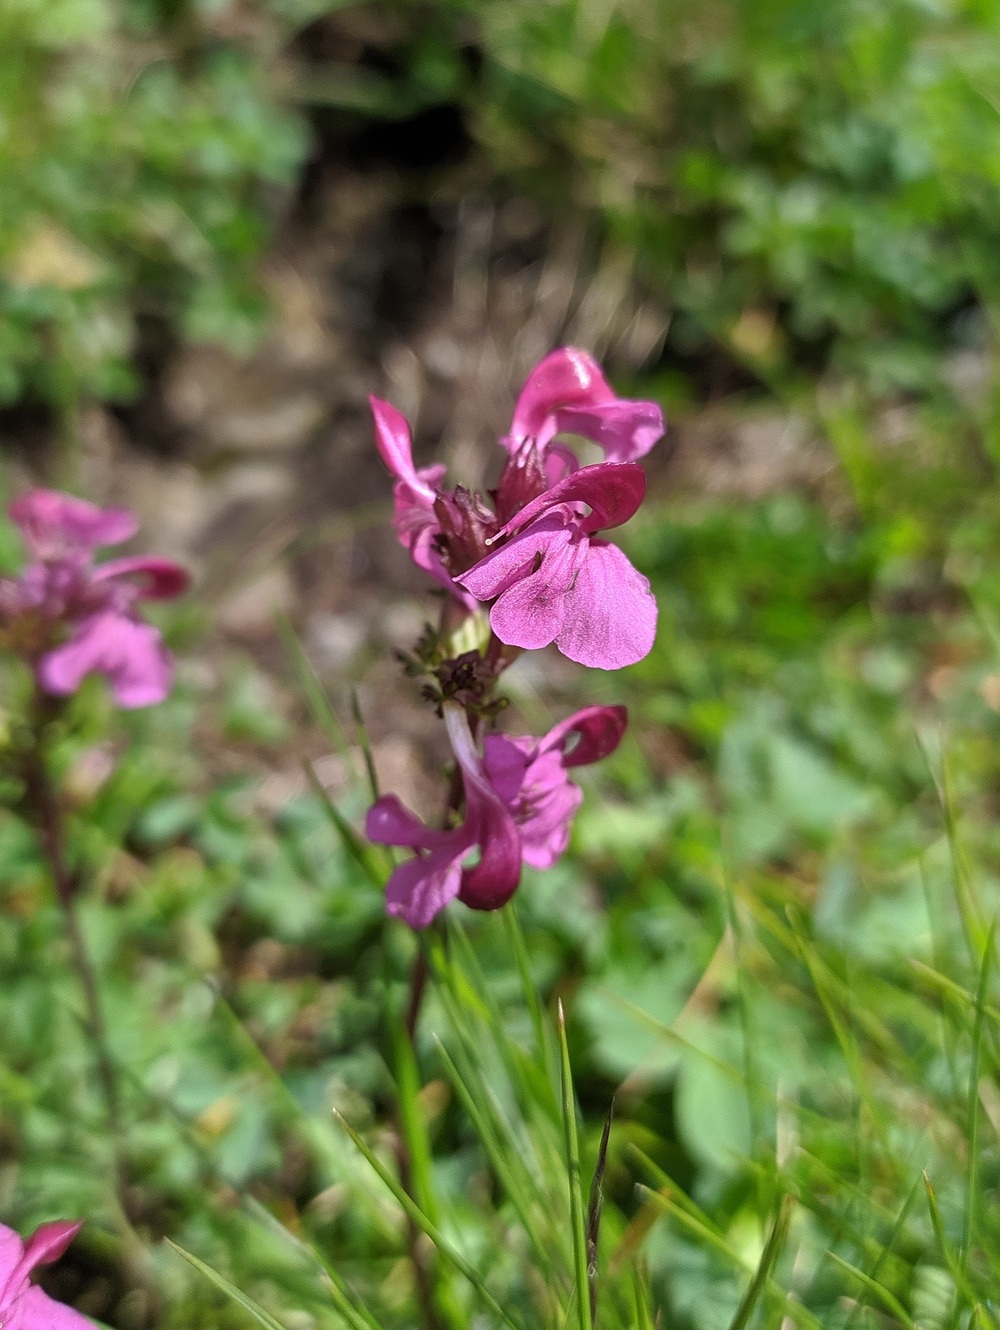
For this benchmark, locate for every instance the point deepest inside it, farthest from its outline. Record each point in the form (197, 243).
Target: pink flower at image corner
(519, 803)
(80, 617)
(24, 1306)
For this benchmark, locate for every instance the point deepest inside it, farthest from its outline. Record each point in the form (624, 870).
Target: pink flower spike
(56, 525)
(153, 578)
(22, 1305)
(130, 654)
(567, 393)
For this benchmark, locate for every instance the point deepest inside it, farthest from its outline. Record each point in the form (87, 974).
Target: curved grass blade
(888, 1300)
(772, 1250)
(413, 1210)
(253, 1309)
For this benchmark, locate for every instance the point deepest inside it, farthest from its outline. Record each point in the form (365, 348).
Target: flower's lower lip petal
(420, 889)
(610, 612)
(39, 1310)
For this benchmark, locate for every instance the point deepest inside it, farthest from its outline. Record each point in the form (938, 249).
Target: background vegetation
(773, 938)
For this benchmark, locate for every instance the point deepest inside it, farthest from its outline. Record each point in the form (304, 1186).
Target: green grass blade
(772, 1250)
(427, 1226)
(359, 851)
(580, 1263)
(313, 691)
(501, 1158)
(969, 1228)
(515, 936)
(364, 743)
(888, 1300)
(253, 1309)
(354, 1313)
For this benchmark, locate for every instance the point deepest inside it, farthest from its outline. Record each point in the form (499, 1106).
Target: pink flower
(518, 806)
(448, 531)
(553, 582)
(23, 1306)
(567, 393)
(72, 617)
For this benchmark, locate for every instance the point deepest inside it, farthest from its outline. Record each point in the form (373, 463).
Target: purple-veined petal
(599, 731)
(532, 611)
(155, 578)
(545, 834)
(515, 559)
(38, 1311)
(609, 612)
(505, 760)
(49, 1241)
(493, 880)
(390, 822)
(613, 490)
(11, 1252)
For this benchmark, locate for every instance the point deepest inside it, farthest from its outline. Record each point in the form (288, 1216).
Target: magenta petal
(157, 579)
(395, 446)
(566, 377)
(614, 490)
(419, 889)
(40, 1312)
(128, 653)
(626, 430)
(54, 523)
(610, 612)
(390, 822)
(505, 760)
(600, 731)
(514, 560)
(531, 613)
(491, 882)
(545, 835)
(49, 1241)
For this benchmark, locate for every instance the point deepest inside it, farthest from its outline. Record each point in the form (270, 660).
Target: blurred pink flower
(518, 806)
(552, 582)
(71, 617)
(23, 1306)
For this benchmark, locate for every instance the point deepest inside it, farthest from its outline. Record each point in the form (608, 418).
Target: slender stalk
(47, 813)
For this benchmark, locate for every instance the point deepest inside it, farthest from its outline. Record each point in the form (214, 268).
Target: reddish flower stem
(46, 811)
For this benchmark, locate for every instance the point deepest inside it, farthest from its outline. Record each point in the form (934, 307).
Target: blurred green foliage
(139, 144)
(809, 184)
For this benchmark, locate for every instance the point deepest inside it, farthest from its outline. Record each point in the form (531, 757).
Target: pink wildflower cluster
(23, 1306)
(71, 617)
(535, 557)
